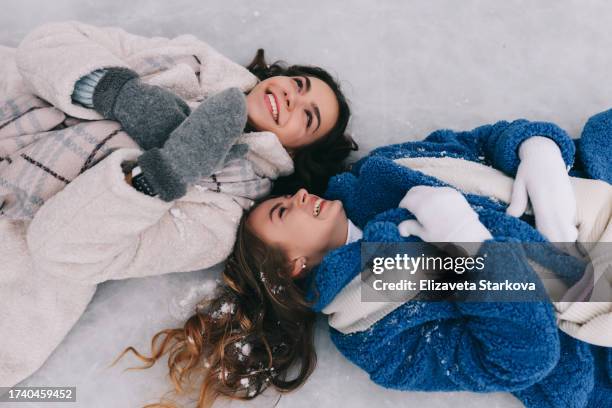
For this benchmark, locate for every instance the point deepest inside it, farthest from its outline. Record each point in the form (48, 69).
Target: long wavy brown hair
(247, 337)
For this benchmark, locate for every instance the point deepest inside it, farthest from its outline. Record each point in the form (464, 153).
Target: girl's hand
(148, 113)
(199, 146)
(542, 178)
(443, 215)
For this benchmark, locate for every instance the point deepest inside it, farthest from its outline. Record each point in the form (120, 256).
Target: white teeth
(317, 207)
(274, 107)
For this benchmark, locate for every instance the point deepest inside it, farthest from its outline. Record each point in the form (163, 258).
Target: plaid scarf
(42, 150)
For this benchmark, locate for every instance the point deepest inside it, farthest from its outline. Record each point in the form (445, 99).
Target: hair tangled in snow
(254, 333)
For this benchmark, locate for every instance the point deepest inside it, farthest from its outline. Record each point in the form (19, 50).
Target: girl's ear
(298, 267)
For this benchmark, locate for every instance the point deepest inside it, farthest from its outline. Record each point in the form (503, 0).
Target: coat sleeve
(462, 346)
(11, 83)
(53, 57)
(498, 144)
(477, 350)
(100, 228)
(503, 345)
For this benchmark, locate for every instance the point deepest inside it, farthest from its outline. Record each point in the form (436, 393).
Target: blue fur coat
(481, 347)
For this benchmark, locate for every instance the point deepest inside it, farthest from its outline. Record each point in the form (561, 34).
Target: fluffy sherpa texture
(108, 89)
(198, 146)
(148, 113)
(495, 144)
(98, 227)
(54, 56)
(594, 146)
(48, 146)
(440, 346)
(603, 378)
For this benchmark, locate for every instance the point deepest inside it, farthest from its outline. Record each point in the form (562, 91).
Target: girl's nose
(290, 100)
(301, 196)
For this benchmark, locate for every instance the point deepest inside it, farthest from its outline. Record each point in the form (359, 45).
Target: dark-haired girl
(120, 177)
(300, 254)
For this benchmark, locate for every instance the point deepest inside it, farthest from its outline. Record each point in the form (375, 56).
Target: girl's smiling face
(299, 110)
(304, 226)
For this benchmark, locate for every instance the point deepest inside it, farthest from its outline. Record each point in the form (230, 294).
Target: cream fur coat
(98, 227)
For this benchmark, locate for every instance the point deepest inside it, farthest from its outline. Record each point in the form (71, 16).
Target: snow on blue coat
(471, 346)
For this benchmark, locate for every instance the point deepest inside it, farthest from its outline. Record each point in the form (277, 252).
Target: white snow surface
(408, 68)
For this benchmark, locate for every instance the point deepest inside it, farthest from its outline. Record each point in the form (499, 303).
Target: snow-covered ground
(408, 67)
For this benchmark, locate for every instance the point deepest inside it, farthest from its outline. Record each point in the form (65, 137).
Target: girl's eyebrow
(307, 83)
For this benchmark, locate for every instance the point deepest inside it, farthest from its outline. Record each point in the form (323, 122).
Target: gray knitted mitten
(147, 113)
(198, 147)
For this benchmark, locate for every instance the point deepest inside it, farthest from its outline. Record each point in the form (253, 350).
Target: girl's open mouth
(272, 104)
(318, 207)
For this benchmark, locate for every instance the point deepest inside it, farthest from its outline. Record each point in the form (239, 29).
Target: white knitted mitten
(542, 178)
(443, 215)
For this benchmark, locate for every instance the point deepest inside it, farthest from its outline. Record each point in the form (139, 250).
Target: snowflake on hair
(226, 307)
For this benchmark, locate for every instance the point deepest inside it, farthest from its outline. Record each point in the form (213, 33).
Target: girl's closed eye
(299, 83)
(308, 119)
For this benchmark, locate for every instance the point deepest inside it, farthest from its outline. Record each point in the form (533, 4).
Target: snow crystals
(196, 299)
(223, 374)
(244, 349)
(225, 308)
(427, 334)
